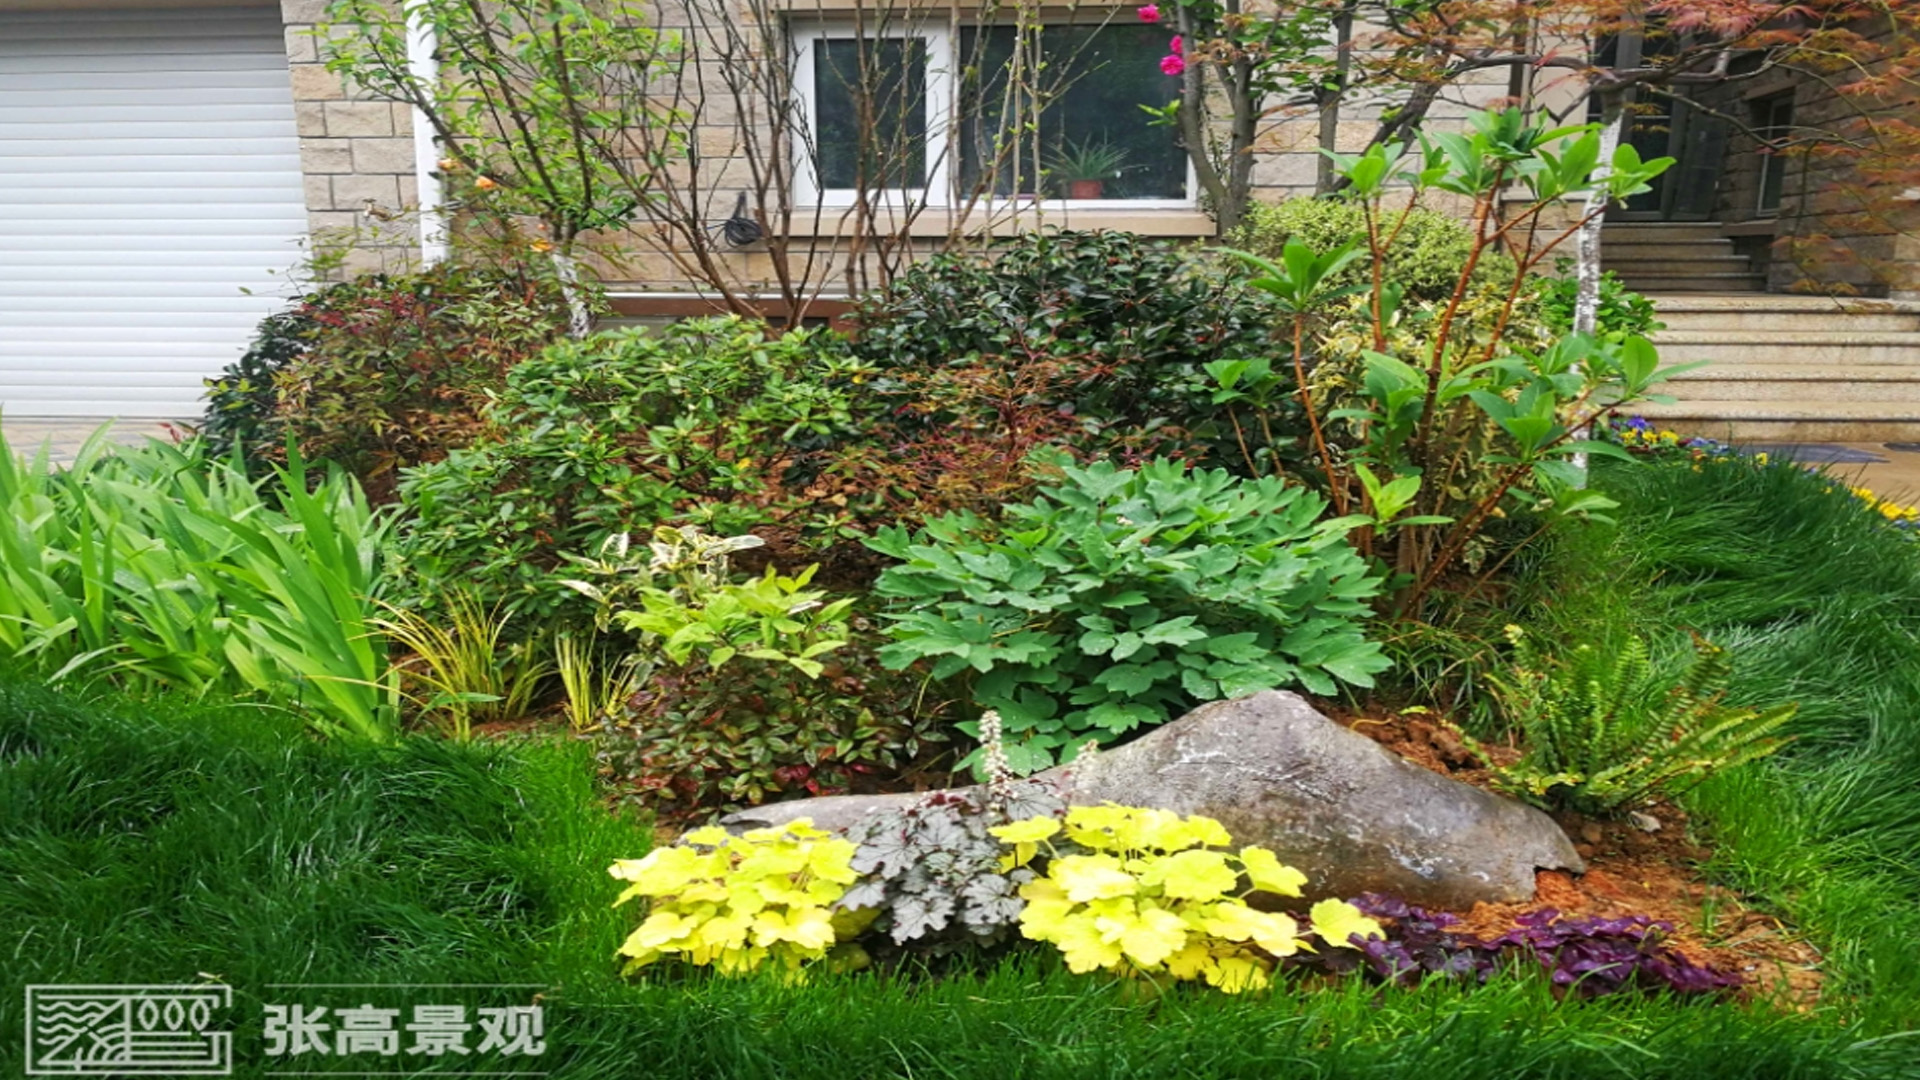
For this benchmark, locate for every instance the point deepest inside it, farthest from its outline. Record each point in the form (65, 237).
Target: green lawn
(152, 843)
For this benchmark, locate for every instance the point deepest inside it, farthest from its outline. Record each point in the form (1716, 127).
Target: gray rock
(1347, 812)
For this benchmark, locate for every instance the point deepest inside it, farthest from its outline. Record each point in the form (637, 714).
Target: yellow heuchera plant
(737, 902)
(1146, 894)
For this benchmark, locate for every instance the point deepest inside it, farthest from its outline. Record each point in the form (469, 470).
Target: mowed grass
(166, 844)
(155, 844)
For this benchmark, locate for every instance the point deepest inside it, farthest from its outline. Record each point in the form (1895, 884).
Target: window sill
(934, 223)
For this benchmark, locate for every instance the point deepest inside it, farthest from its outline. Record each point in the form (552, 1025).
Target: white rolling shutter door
(149, 172)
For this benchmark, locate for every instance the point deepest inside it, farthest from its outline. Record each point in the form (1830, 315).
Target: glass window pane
(1087, 85)
(870, 100)
(1774, 118)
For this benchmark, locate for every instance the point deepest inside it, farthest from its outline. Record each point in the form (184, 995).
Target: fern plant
(1607, 733)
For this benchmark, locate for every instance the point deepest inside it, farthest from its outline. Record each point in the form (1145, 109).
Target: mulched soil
(1630, 871)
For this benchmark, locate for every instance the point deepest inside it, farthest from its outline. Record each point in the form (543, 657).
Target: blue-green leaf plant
(1120, 598)
(161, 568)
(1450, 425)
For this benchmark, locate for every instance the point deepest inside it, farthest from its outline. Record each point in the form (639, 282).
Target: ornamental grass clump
(1142, 893)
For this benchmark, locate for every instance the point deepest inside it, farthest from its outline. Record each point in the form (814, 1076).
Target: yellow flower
(485, 183)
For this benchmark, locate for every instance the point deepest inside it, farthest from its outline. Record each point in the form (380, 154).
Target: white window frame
(942, 77)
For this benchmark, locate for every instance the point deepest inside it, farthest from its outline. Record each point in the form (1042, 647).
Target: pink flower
(1174, 45)
(1150, 13)
(1173, 64)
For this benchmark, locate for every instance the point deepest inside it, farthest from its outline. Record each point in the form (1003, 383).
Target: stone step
(1787, 302)
(1784, 421)
(1722, 282)
(1662, 230)
(1680, 264)
(1640, 247)
(1773, 313)
(1799, 384)
(1811, 348)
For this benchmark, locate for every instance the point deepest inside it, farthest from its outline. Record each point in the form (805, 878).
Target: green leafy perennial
(1604, 734)
(1121, 598)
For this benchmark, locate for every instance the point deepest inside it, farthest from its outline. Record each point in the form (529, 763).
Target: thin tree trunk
(579, 317)
(1586, 305)
(1330, 107)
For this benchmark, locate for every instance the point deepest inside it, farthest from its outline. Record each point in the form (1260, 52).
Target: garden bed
(1631, 870)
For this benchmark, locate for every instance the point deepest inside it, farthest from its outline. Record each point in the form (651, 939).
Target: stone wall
(1831, 233)
(357, 154)
(359, 161)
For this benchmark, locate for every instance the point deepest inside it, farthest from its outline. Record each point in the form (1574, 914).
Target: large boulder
(1348, 813)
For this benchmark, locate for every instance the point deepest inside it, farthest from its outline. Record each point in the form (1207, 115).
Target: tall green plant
(160, 568)
(1456, 427)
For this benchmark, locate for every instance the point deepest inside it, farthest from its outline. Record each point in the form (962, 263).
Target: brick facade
(1872, 244)
(357, 154)
(358, 157)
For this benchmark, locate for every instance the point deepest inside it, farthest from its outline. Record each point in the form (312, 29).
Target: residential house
(165, 165)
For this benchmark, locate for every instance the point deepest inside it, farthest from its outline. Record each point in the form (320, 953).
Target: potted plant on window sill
(1085, 167)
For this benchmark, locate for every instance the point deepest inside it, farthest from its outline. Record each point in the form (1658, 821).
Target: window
(1772, 122)
(1001, 113)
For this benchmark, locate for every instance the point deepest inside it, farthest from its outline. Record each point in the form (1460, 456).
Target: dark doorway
(1663, 124)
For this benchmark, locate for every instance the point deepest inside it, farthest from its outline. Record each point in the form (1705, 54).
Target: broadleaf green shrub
(163, 569)
(705, 421)
(242, 400)
(1106, 331)
(1121, 597)
(1426, 258)
(1603, 734)
(384, 371)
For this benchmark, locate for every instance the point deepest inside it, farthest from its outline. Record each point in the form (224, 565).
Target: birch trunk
(579, 318)
(1586, 305)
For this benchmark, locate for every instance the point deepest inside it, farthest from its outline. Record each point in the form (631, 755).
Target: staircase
(1667, 257)
(1789, 368)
